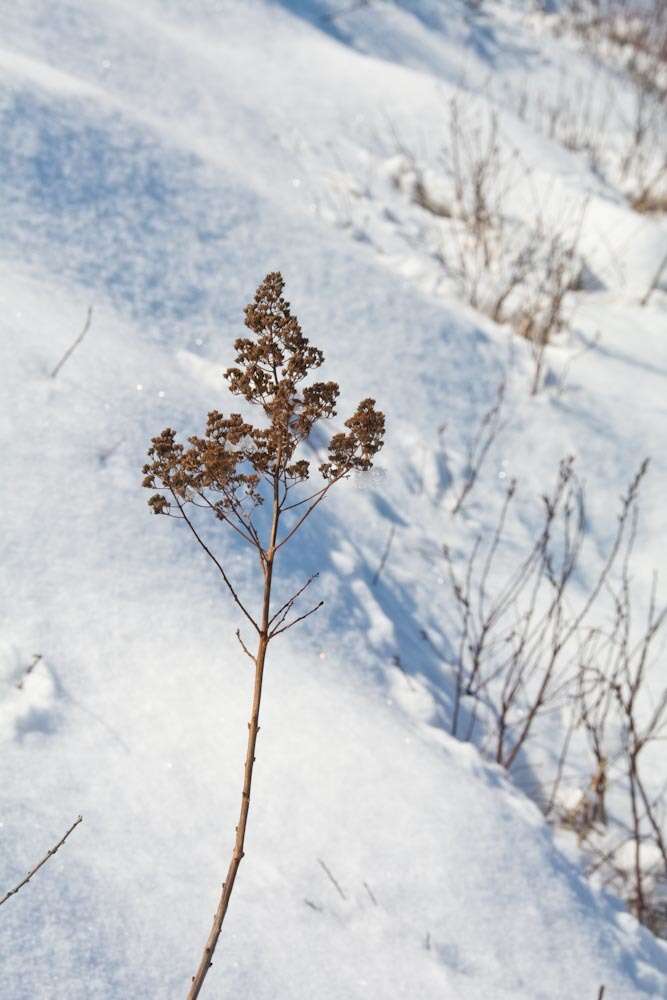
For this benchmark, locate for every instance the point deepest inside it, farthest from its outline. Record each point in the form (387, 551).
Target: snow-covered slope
(157, 160)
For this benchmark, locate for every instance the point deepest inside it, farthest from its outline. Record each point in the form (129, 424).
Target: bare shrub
(631, 34)
(642, 161)
(621, 133)
(542, 314)
(516, 269)
(622, 717)
(237, 467)
(526, 648)
(517, 646)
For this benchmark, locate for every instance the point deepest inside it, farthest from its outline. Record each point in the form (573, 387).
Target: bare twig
(331, 878)
(371, 894)
(70, 350)
(215, 561)
(243, 645)
(295, 621)
(478, 449)
(33, 871)
(29, 669)
(279, 614)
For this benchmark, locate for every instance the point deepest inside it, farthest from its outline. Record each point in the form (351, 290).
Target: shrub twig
(28, 670)
(49, 854)
(331, 878)
(70, 350)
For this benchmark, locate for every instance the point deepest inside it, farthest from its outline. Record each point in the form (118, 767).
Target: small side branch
(237, 599)
(489, 428)
(71, 349)
(49, 854)
(243, 646)
(319, 498)
(284, 610)
(28, 670)
(370, 893)
(295, 621)
(331, 878)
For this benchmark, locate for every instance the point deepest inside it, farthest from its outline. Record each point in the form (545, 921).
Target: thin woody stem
(288, 604)
(253, 729)
(243, 645)
(216, 561)
(295, 621)
(312, 507)
(71, 349)
(249, 538)
(33, 871)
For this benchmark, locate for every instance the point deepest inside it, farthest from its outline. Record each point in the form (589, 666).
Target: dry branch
(28, 670)
(70, 350)
(49, 854)
(331, 878)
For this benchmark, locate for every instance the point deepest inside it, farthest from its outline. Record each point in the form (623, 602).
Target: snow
(157, 161)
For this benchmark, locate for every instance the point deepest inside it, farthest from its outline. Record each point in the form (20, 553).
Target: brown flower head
(226, 468)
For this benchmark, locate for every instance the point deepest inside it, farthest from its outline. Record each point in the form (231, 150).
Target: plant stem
(206, 960)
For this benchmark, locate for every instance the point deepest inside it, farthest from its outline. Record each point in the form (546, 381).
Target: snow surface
(157, 160)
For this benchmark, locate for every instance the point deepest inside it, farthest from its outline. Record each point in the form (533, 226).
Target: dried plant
(542, 314)
(479, 447)
(642, 163)
(621, 132)
(236, 467)
(621, 718)
(577, 115)
(517, 650)
(483, 250)
(526, 646)
(630, 34)
(515, 270)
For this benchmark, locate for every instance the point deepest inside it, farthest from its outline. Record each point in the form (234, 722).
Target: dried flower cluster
(227, 467)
